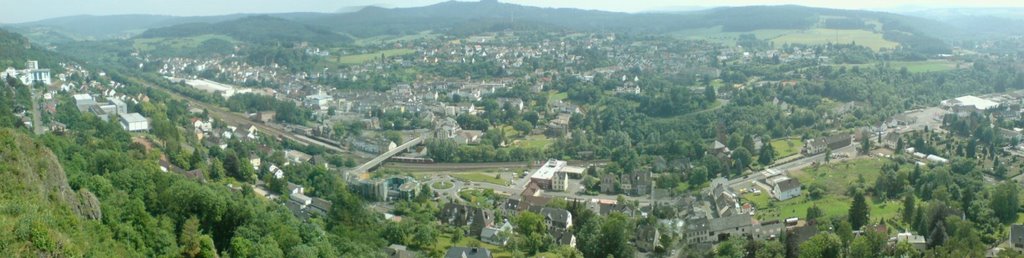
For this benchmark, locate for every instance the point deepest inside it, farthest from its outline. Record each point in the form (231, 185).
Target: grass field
(441, 185)
(536, 142)
(479, 177)
(823, 36)
(833, 206)
(392, 38)
(836, 177)
(362, 58)
(555, 96)
(925, 66)
(780, 37)
(787, 147)
(149, 44)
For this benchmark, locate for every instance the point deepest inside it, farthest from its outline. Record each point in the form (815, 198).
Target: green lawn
(479, 177)
(362, 58)
(441, 185)
(836, 177)
(924, 66)
(535, 142)
(787, 147)
(834, 206)
(555, 96)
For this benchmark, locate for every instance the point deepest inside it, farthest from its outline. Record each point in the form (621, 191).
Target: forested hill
(473, 17)
(15, 49)
(257, 29)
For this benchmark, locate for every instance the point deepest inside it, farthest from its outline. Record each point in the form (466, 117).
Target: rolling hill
(256, 29)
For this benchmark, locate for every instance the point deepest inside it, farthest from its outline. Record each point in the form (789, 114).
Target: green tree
(813, 213)
(767, 155)
(821, 245)
(865, 146)
(742, 157)
(771, 249)
(845, 231)
(709, 93)
(828, 156)
(1005, 202)
(858, 213)
(908, 208)
(189, 241)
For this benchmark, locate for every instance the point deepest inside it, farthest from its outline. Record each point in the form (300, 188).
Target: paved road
(37, 123)
(790, 166)
(237, 119)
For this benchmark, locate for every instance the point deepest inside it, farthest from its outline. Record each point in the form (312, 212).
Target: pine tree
(908, 208)
(858, 213)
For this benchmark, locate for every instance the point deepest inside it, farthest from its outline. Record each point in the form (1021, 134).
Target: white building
(784, 187)
(134, 122)
(550, 176)
(321, 101)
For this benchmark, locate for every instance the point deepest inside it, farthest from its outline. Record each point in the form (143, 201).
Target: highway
(365, 167)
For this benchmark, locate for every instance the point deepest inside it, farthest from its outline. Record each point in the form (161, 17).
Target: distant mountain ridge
(464, 18)
(258, 29)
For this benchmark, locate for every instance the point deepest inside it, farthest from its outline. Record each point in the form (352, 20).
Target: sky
(25, 11)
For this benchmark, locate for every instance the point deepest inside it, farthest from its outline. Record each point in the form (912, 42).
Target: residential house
(784, 187)
(608, 182)
(463, 215)
(295, 156)
(398, 251)
(562, 236)
(554, 217)
(498, 236)
(891, 140)
(1017, 237)
(820, 145)
(646, 238)
(467, 252)
(917, 241)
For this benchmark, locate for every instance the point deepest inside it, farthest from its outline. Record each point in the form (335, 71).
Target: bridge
(376, 161)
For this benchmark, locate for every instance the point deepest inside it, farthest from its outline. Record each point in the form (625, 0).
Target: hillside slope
(257, 29)
(43, 216)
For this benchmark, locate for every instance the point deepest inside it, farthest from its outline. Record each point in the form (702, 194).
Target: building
(550, 177)
(31, 74)
(498, 236)
(820, 145)
(969, 104)
(398, 251)
(556, 218)
(1017, 237)
(891, 140)
(467, 252)
(739, 225)
(463, 215)
(319, 101)
(84, 101)
(784, 187)
(119, 106)
(134, 122)
(917, 241)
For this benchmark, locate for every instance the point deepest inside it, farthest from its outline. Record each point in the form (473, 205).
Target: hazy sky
(31, 10)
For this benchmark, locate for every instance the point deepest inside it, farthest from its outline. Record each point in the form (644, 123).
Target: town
(520, 141)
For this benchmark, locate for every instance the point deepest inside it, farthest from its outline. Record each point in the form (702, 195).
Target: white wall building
(134, 122)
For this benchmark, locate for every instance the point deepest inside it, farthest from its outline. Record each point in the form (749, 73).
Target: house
(608, 182)
(550, 177)
(646, 238)
(739, 225)
(398, 251)
(320, 205)
(498, 236)
(555, 217)
(917, 241)
(636, 183)
(463, 215)
(134, 122)
(295, 156)
(820, 145)
(562, 236)
(467, 252)
(784, 187)
(891, 140)
(1017, 237)
(718, 148)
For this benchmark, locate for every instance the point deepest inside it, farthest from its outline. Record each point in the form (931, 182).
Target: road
(365, 167)
(37, 123)
(237, 119)
(747, 181)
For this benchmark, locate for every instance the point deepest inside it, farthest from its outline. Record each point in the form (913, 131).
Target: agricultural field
(779, 37)
(836, 177)
(363, 58)
(786, 147)
(925, 66)
(823, 36)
